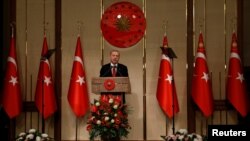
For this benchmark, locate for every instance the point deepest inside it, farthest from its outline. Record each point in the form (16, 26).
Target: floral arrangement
(109, 117)
(33, 135)
(182, 135)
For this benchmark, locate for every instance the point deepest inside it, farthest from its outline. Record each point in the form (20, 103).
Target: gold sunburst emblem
(123, 23)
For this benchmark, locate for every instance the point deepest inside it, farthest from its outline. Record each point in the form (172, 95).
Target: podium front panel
(110, 84)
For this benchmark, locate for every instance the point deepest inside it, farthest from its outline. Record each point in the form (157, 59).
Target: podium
(110, 85)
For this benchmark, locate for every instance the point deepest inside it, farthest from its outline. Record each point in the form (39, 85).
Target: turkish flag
(166, 92)
(12, 101)
(201, 84)
(236, 86)
(45, 99)
(78, 93)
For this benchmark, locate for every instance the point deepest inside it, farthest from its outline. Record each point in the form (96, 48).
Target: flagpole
(76, 128)
(79, 31)
(144, 80)
(26, 59)
(168, 51)
(173, 120)
(31, 96)
(172, 55)
(43, 120)
(102, 39)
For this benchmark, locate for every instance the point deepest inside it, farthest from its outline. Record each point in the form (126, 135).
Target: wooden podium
(110, 84)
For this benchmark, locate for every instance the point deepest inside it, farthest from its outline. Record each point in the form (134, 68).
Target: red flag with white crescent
(236, 85)
(12, 100)
(78, 93)
(166, 91)
(201, 84)
(45, 99)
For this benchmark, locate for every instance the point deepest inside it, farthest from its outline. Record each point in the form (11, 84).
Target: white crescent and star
(13, 79)
(169, 78)
(240, 77)
(80, 80)
(165, 57)
(236, 56)
(200, 55)
(205, 76)
(47, 62)
(47, 80)
(78, 59)
(12, 60)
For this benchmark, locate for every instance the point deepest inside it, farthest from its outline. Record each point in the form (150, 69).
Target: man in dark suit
(114, 69)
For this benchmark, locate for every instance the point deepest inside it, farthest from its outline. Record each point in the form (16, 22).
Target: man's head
(114, 56)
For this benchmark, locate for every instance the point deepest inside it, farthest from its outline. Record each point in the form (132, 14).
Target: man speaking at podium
(114, 69)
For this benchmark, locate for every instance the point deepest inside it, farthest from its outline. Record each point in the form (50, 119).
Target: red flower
(89, 127)
(117, 121)
(104, 98)
(93, 108)
(120, 113)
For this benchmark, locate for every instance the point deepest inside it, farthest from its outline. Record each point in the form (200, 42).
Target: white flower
(20, 138)
(44, 135)
(195, 139)
(190, 135)
(105, 113)
(98, 122)
(111, 100)
(181, 137)
(30, 136)
(115, 106)
(115, 115)
(22, 134)
(92, 118)
(112, 121)
(38, 138)
(32, 130)
(183, 131)
(198, 136)
(97, 104)
(106, 118)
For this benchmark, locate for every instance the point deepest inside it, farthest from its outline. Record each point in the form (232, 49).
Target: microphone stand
(168, 51)
(46, 56)
(43, 120)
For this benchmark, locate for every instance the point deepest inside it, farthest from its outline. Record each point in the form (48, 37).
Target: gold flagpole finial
(79, 26)
(165, 25)
(200, 24)
(45, 27)
(12, 25)
(233, 23)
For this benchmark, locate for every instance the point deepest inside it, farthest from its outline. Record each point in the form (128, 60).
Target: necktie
(114, 71)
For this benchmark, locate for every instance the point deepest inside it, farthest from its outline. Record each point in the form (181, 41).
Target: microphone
(48, 54)
(106, 72)
(119, 72)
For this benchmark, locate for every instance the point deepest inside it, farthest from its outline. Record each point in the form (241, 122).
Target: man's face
(114, 57)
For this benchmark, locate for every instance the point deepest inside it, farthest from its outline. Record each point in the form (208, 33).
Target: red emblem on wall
(123, 24)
